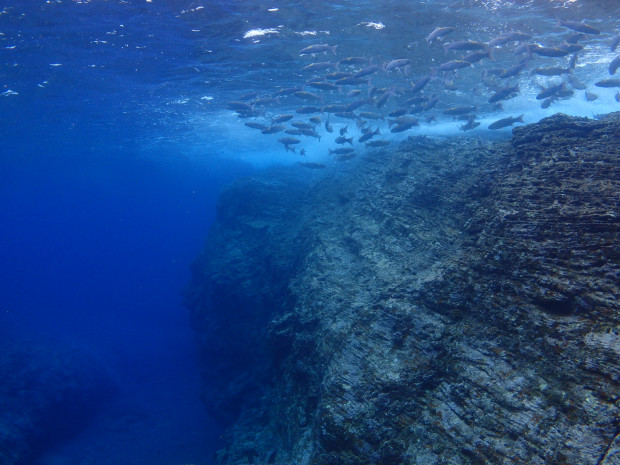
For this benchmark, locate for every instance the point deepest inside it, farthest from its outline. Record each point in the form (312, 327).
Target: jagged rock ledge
(450, 302)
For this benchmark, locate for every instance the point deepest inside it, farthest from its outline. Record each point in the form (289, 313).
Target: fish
(475, 57)
(293, 132)
(504, 122)
(358, 103)
(310, 133)
(614, 43)
(517, 36)
(579, 27)
(613, 66)
(460, 110)
(608, 83)
(395, 64)
(312, 165)
(369, 115)
(617, 96)
(354, 61)
(549, 51)
(570, 48)
(504, 93)
(254, 125)
(452, 65)
(552, 71)
(576, 83)
(368, 70)
(590, 96)
(315, 119)
(302, 152)
(328, 127)
(287, 91)
(369, 135)
(381, 100)
(322, 85)
(500, 40)
(288, 140)
(573, 61)
(338, 75)
(420, 83)
(398, 112)
(336, 108)
(346, 156)
(344, 140)
(341, 150)
(464, 45)
(281, 119)
(273, 129)
(351, 81)
(550, 91)
(377, 143)
(320, 66)
(239, 106)
(319, 48)
(302, 125)
(308, 96)
(404, 126)
(438, 33)
(430, 104)
(344, 130)
(471, 124)
(307, 110)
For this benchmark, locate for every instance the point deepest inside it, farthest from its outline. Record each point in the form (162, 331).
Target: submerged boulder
(451, 302)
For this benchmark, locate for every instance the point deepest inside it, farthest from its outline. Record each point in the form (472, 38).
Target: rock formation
(453, 301)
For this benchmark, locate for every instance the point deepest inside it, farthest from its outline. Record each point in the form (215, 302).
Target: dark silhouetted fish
(438, 33)
(344, 130)
(302, 125)
(273, 129)
(504, 93)
(321, 85)
(368, 70)
(460, 110)
(315, 119)
(452, 65)
(590, 96)
(614, 43)
(579, 27)
(319, 48)
(307, 110)
(341, 150)
(281, 119)
(549, 51)
(464, 45)
(551, 71)
(377, 143)
(350, 61)
(570, 48)
(369, 135)
(550, 91)
(420, 83)
(504, 122)
(369, 115)
(395, 64)
(256, 125)
(328, 127)
(320, 66)
(608, 83)
(308, 96)
(312, 165)
(335, 108)
(613, 66)
(344, 140)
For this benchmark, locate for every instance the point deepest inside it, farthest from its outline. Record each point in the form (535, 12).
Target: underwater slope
(453, 301)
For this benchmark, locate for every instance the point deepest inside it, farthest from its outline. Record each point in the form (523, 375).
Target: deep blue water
(116, 136)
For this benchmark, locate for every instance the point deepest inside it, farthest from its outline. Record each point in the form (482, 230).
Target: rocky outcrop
(450, 302)
(47, 394)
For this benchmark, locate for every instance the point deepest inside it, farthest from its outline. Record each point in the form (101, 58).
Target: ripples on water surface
(159, 73)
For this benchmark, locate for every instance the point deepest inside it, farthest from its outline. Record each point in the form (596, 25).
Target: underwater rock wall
(450, 302)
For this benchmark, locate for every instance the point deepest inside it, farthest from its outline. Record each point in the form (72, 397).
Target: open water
(120, 121)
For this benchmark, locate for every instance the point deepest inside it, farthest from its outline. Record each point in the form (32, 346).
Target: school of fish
(361, 94)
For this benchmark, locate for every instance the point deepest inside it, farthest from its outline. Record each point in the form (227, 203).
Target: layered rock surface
(450, 302)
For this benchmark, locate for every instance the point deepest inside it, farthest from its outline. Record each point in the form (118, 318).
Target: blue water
(116, 136)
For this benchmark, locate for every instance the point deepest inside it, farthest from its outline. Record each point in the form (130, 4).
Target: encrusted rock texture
(452, 301)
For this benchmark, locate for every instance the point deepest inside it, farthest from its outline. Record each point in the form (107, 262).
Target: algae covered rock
(450, 302)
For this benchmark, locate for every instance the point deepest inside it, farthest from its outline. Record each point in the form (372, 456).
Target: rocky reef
(48, 393)
(454, 301)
